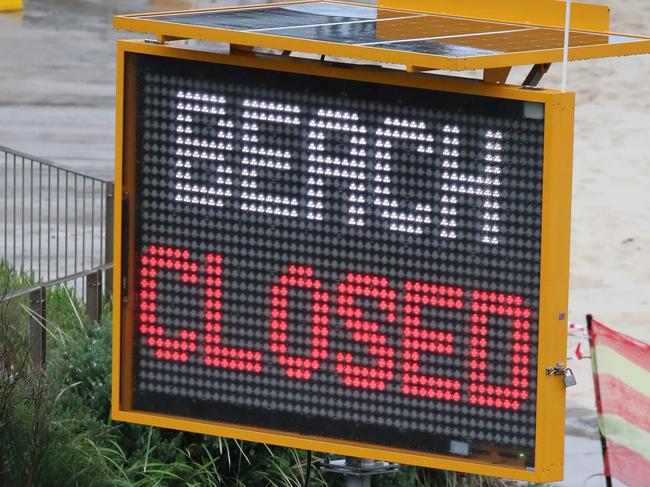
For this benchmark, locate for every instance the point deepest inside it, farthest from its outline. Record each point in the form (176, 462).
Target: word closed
(417, 337)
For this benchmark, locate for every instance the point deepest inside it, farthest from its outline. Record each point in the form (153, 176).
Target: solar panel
(262, 19)
(426, 40)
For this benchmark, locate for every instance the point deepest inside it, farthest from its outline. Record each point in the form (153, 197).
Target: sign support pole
(358, 471)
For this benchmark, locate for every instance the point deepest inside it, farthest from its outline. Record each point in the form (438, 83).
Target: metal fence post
(108, 237)
(94, 296)
(37, 329)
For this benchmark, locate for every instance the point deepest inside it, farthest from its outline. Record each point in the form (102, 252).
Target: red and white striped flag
(621, 368)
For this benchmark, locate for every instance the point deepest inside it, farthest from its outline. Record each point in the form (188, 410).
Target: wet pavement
(57, 78)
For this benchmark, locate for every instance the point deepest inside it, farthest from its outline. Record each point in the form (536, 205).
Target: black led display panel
(337, 258)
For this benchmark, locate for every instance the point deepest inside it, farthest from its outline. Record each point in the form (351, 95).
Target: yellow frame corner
(11, 5)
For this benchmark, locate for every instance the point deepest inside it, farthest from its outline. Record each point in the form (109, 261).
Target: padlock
(569, 378)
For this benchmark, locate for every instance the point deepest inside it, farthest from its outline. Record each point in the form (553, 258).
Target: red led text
(351, 292)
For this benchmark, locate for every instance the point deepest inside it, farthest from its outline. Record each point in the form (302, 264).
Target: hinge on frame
(124, 277)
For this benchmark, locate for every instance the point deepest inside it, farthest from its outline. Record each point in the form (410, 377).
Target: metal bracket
(164, 39)
(557, 370)
(358, 470)
(496, 75)
(241, 48)
(416, 69)
(536, 74)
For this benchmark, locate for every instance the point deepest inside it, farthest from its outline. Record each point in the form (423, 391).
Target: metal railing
(93, 296)
(57, 229)
(56, 222)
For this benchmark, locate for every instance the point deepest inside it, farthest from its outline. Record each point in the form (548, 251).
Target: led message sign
(335, 258)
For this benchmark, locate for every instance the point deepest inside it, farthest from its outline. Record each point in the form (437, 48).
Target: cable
(308, 470)
(592, 477)
(567, 28)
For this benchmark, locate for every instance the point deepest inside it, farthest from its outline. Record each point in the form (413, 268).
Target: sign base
(358, 471)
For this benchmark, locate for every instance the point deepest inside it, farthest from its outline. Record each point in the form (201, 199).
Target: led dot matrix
(333, 257)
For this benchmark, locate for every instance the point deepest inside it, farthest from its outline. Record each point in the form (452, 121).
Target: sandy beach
(610, 237)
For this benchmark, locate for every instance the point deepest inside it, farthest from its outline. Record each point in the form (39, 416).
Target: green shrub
(56, 425)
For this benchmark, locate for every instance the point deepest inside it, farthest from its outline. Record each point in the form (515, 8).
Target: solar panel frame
(460, 56)
(549, 13)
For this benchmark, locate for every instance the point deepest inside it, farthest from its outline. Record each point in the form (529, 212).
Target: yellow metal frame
(10, 5)
(558, 152)
(549, 13)
(155, 24)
